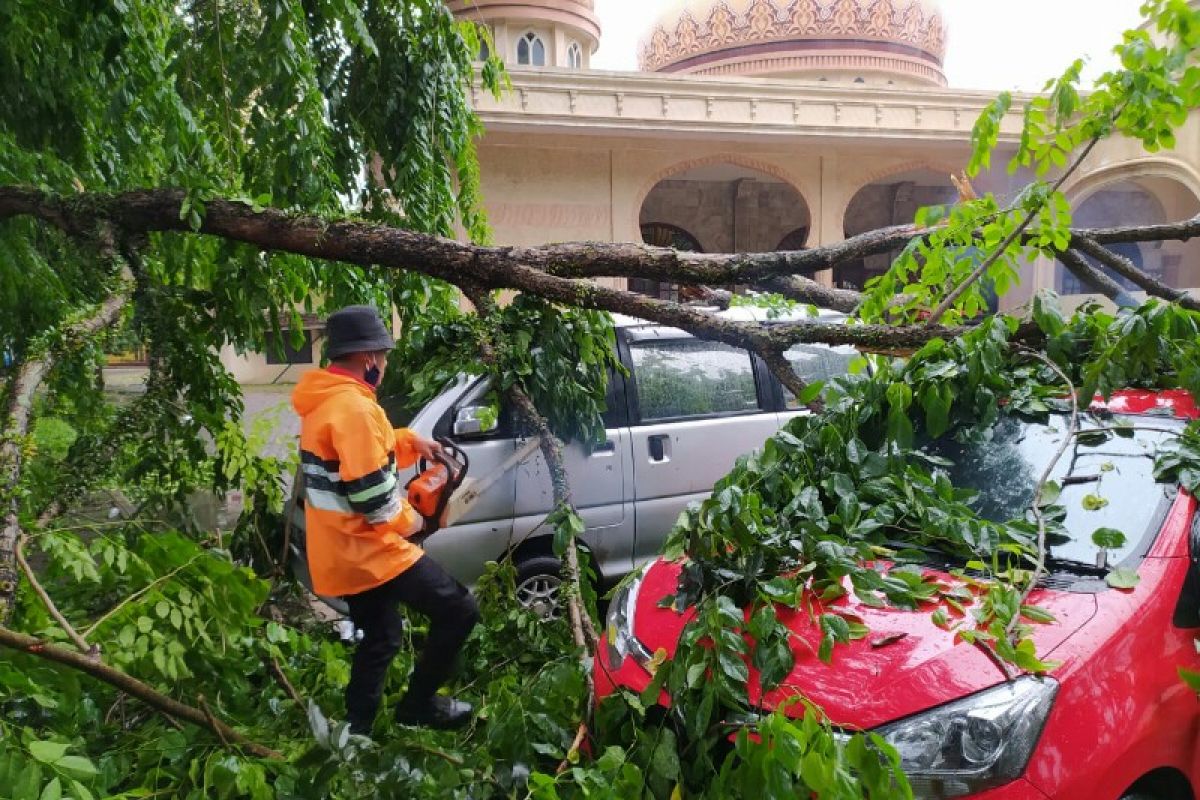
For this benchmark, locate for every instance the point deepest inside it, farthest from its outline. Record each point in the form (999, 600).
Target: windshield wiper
(1075, 567)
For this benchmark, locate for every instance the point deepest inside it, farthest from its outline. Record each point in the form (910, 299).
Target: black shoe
(443, 713)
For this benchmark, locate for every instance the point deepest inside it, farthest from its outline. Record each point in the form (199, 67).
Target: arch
(735, 159)
(574, 56)
(531, 50)
(795, 239)
(1155, 167)
(913, 185)
(875, 176)
(667, 235)
(1143, 191)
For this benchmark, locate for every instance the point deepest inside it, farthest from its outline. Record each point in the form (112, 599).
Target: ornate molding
(911, 28)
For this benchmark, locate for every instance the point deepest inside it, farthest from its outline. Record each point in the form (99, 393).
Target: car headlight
(976, 743)
(619, 626)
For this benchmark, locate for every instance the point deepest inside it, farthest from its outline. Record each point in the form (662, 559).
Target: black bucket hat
(356, 329)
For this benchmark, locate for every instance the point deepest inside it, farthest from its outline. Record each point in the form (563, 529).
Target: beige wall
(553, 185)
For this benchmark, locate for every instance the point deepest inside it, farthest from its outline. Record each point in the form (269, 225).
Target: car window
(691, 378)
(815, 362)
(1109, 478)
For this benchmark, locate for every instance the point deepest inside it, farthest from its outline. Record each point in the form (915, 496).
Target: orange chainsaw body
(430, 489)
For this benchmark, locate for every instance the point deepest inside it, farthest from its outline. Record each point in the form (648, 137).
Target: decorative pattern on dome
(714, 26)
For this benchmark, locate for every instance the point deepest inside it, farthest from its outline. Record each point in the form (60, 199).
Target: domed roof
(798, 37)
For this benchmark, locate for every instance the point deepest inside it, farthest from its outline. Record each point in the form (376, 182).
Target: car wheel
(539, 585)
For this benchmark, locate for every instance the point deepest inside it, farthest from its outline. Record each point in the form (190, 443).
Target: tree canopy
(197, 175)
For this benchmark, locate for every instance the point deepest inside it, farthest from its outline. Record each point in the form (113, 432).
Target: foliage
(1146, 98)
(273, 103)
(345, 108)
(840, 505)
(561, 358)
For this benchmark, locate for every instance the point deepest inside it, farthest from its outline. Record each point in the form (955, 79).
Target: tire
(1138, 796)
(538, 581)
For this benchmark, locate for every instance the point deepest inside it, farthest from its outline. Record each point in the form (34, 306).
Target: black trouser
(452, 613)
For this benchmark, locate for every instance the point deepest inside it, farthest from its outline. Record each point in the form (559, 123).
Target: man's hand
(428, 449)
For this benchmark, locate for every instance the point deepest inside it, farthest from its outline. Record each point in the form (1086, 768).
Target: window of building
(283, 350)
(531, 50)
(575, 56)
(485, 52)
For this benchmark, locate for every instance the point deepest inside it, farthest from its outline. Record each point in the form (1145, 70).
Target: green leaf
(1093, 502)
(1191, 678)
(76, 767)
(1036, 614)
(1122, 578)
(52, 790)
(1108, 538)
(47, 752)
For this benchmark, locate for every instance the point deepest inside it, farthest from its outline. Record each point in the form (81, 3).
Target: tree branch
(133, 687)
(1013, 235)
(1093, 277)
(806, 290)
(90, 650)
(582, 629)
(554, 272)
(1128, 270)
(18, 415)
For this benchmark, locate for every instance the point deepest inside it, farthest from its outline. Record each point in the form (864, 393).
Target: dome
(862, 41)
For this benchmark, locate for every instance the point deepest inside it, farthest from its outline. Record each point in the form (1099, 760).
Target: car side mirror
(474, 421)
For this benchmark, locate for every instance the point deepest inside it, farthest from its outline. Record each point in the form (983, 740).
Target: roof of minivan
(742, 314)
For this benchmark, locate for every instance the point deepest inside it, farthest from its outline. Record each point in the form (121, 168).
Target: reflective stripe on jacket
(356, 513)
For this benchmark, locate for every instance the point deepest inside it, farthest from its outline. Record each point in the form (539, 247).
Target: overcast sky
(994, 44)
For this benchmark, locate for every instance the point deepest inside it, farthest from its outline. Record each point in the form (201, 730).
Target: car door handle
(658, 446)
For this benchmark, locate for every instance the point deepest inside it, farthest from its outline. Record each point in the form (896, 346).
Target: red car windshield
(1107, 479)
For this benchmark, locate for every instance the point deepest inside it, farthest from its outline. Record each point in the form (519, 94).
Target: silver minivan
(674, 426)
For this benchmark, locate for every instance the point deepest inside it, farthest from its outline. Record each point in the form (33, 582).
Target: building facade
(758, 125)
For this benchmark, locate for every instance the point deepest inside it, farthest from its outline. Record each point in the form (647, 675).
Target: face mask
(371, 376)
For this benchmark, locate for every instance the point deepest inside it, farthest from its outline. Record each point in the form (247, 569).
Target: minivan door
(695, 407)
(485, 532)
(600, 479)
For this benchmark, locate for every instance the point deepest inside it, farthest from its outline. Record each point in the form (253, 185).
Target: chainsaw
(429, 491)
(440, 491)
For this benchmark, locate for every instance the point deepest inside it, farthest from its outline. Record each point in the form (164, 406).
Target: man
(358, 524)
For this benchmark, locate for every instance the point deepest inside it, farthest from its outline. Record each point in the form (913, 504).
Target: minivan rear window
(1107, 479)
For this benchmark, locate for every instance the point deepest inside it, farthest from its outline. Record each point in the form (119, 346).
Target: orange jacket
(356, 512)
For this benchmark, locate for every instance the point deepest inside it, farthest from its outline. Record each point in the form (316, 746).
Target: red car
(1113, 721)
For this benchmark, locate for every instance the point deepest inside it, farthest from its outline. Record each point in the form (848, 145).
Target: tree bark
(552, 271)
(1128, 270)
(551, 446)
(1093, 277)
(132, 686)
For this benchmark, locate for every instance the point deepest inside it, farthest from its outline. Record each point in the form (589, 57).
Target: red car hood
(906, 664)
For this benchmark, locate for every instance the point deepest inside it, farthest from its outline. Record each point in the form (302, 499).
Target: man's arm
(367, 468)
(410, 446)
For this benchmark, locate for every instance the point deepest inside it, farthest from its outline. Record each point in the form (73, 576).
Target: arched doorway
(721, 208)
(893, 200)
(1140, 201)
